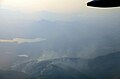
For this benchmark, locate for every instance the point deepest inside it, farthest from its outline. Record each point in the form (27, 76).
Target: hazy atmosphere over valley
(43, 30)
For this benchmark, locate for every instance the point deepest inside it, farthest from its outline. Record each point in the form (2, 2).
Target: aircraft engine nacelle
(104, 3)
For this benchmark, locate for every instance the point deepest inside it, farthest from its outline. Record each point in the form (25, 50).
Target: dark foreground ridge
(102, 67)
(9, 74)
(104, 3)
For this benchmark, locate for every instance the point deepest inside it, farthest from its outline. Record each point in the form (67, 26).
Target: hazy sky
(58, 6)
(49, 5)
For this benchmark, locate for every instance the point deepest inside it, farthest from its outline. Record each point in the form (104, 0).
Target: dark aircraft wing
(104, 3)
